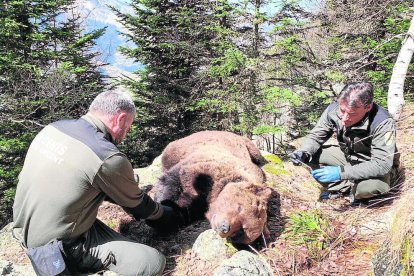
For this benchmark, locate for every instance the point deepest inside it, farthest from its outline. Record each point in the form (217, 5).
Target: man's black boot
(357, 202)
(325, 195)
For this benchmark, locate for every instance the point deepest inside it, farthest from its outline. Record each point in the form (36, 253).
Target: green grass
(231, 250)
(407, 258)
(310, 229)
(9, 194)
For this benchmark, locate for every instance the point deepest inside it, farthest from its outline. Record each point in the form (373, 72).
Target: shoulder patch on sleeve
(388, 138)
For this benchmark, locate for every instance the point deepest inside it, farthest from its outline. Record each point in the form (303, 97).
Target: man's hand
(327, 174)
(167, 223)
(299, 156)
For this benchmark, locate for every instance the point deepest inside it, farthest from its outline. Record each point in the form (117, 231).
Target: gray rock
(377, 226)
(384, 263)
(244, 263)
(8, 268)
(149, 175)
(210, 246)
(13, 260)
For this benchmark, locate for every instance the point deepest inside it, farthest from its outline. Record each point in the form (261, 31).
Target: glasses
(345, 115)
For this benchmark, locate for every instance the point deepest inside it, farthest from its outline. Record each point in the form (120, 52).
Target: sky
(99, 15)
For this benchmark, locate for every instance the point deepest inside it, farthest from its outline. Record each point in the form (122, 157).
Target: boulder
(243, 263)
(149, 175)
(209, 246)
(384, 262)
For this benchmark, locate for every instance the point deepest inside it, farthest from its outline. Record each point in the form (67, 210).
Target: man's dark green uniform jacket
(369, 146)
(70, 168)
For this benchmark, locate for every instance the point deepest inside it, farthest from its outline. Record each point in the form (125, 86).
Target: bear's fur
(243, 207)
(216, 171)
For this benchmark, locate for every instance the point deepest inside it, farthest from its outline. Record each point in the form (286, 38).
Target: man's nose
(345, 117)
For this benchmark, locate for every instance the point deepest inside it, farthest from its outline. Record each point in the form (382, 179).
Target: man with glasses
(366, 153)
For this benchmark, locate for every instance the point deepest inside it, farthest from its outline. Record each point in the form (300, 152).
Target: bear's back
(228, 142)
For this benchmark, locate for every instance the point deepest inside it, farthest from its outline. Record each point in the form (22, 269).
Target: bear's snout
(220, 225)
(223, 228)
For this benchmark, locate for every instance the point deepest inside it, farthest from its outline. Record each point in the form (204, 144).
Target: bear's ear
(187, 175)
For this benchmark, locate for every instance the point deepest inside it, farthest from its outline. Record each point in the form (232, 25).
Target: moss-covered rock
(275, 169)
(275, 165)
(210, 246)
(149, 175)
(271, 157)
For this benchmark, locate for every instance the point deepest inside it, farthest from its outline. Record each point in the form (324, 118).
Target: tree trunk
(396, 87)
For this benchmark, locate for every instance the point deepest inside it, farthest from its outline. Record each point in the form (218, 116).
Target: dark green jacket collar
(99, 125)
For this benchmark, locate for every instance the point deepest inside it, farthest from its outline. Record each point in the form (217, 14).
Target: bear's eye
(239, 208)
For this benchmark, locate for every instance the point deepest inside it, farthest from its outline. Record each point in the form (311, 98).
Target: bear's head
(240, 211)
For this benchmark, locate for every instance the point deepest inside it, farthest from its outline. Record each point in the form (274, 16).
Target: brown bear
(218, 172)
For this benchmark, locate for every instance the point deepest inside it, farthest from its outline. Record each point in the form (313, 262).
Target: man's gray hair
(112, 102)
(356, 94)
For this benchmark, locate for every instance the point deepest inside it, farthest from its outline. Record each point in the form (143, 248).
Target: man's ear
(120, 119)
(369, 107)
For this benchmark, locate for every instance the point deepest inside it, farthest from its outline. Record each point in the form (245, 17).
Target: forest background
(225, 65)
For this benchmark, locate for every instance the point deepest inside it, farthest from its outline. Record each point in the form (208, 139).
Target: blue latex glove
(327, 174)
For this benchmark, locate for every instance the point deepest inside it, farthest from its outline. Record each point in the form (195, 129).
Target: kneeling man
(366, 152)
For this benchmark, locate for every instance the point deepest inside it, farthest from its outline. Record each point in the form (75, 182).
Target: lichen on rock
(210, 246)
(244, 263)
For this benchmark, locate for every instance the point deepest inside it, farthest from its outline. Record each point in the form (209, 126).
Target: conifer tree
(175, 41)
(47, 72)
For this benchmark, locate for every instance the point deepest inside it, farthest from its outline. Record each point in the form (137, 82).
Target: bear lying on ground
(218, 172)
